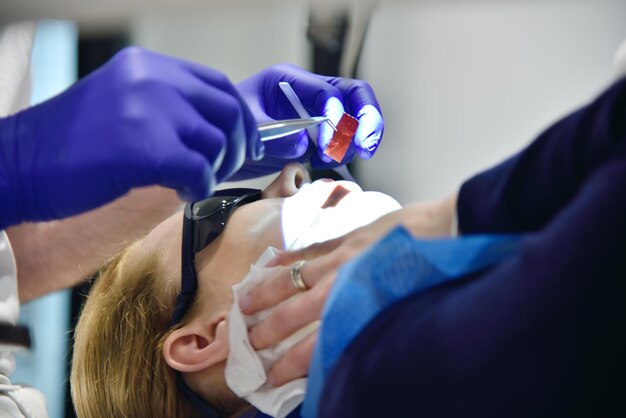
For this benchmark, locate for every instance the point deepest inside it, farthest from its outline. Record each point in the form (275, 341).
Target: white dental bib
(318, 212)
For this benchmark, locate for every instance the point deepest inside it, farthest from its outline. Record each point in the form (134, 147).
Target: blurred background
(462, 84)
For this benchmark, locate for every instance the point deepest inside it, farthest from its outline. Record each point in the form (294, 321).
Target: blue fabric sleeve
(392, 269)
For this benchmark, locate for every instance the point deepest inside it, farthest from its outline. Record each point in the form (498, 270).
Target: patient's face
(251, 229)
(254, 227)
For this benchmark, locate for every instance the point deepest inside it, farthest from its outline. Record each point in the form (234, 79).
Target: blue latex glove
(320, 95)
(141, 119)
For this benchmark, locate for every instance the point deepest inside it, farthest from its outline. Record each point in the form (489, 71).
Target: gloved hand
(321, 96)
(141, 119)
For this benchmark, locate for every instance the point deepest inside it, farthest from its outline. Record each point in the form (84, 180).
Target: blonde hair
(118, 369)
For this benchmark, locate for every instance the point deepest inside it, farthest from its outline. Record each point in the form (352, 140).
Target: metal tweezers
(281, 128)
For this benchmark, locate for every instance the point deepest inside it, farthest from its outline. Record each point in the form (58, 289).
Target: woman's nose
(288, 182)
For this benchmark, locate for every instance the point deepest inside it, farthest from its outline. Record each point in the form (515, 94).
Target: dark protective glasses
(203, 221)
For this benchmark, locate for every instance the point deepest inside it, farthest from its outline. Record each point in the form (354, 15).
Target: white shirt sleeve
(21, 402)
(16, 42)
(15, 400)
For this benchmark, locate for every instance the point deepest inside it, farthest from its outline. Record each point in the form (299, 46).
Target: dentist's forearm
(55, 255)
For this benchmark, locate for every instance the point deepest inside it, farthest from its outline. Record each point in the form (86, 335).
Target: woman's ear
(197, 345)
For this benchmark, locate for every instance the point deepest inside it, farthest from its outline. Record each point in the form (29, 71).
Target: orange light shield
(338, 146)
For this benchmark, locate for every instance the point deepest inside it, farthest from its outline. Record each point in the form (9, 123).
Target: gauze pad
(246, 368)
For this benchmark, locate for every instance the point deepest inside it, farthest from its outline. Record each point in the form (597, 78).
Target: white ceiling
(112, 12)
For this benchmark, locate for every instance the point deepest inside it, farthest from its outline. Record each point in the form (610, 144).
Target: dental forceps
(281, 128)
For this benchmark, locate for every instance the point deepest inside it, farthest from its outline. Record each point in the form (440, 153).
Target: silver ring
(296, 276)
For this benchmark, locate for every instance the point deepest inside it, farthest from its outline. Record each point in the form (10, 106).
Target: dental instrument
(281, 128)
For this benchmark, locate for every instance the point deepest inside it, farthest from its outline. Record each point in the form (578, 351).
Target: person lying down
(142, 350)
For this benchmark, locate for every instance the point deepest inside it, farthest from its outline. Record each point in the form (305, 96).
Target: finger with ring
(296, 276)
